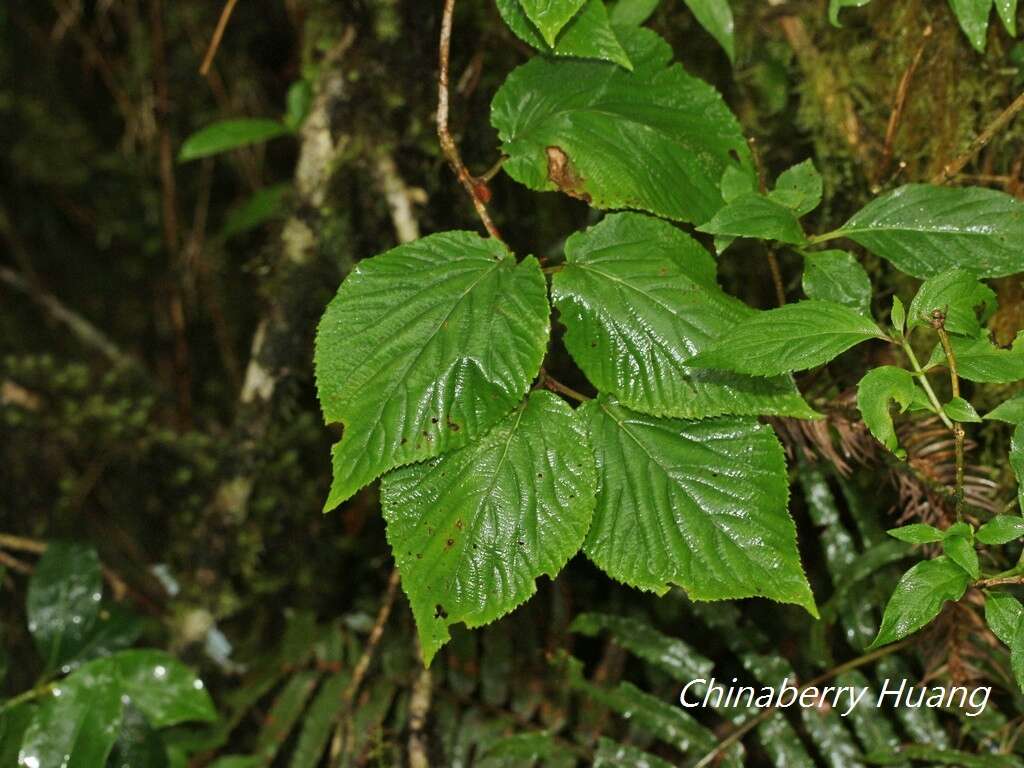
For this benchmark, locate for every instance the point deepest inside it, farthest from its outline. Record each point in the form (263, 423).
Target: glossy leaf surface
(472, 530)
(639, 298)
(716, 17)
(962, 301)
(587, 35)
(425, 348)
(701, 504)
(549, 16)
(838, 277)
(919, 597)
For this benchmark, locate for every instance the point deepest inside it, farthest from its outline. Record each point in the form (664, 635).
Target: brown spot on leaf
(563, 174)
(440, 612)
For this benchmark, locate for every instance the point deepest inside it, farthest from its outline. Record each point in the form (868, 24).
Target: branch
(939, 324)
(475, 187)
(218, 33)
(982, 140)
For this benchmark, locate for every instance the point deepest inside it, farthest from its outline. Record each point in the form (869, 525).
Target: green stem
(932, 398)
(938, 322)
(29, 695)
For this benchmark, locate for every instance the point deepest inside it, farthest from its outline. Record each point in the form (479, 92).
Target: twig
(925, 384)
(218, 34)
(939, 324)
(745, 728)
(556, 386)
(952, 169)
(898, 105)
(475, 187)
(14, 564)
(359, 671)
(85, 331)
(419, 708)
(996, 581)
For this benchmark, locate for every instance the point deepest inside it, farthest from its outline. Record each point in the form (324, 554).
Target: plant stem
(764, 714)
(448, 146)
(939, 324)
(29, 695)
(924, 382)
(556, 386)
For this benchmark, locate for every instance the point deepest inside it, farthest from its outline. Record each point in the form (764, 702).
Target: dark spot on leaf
(453, 426)
(563, 174)
(449, 544)
(540, 474)
(440, 612)
(593, 344)
(521, 543)
(419, 555)
(405, 440)
(433, 420)
(458, 523)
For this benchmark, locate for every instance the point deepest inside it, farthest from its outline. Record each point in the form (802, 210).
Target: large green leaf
(791, 338)
(837, 276)
(701, 504)
(925, 230)
(230, 134)
(425, 348)
(959, 296)
(655, 138)
(472, 530)
(919, 597)
(587, 35)
(756, 216)
(1001, 529)
(973, 17)
(64, 600)
(639, 298)
(876, 389)
(161, 687)
(716, 17)
(1003, 612)
(549, 16)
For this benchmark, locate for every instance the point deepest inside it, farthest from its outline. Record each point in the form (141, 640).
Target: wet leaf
(549, 16)
(1003, 613)
(716, 17)
(756, 216)
(919, 597)
(838, 277)
(161, 687)
(962, 300)
(588, 35)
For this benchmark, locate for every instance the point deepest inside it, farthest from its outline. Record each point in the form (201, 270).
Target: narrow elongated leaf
(756, 216)
(264, 205)
(1017, 654)
(799, 188)
(1011, 411)
(959, 297)
(791, 338)
(667, 653)
(472, 530)
(838, 277)
(980, 360)
(425, 348)
(655, 139)
(319, 722)
(934, 756)
(1017, 461)
(973, 17)
(898, 315)
(701, 504)
(63, 600)
(1003, 613)
(285, 712)
(925, 230)
(612, 754)
(230, 134)
(1007, 10)
(917, 533)
(716, 17)
(1001, 529)
(639, 298)
(549, 16)
(588, 35)
(919, 597)
(960, 549)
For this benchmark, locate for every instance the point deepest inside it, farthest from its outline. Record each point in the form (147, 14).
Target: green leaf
(319, 722)
(299, 100)
(959, 409)
(549, 16)
(230, 134)
(960, 549)
(794, 337)
(960, 298)
(77, 724)
(14, 720)
(755, 216)
(632, 12)
(1017, 461)
(737, 182)
(612, 754)
(670, 654)
(288, 706)
(925, 230)
(160, 686)
(898, 315)
(588, 35)
(917, 533)
(1017, 654)
(919, 597)
(1007, 10)
(835, 6)
(838, 277)
(262, 206)
(138, 745)
(1011, 411)
(639, 298)
(701, 504)
(655, 139)
(935, 756)
(472, 530)
(425, 348)
(875, 390)
(1003, 613)
(799, 188)
(980, 360)
(973, 17)
(716, 17)
(1001, 529)
(63, 600)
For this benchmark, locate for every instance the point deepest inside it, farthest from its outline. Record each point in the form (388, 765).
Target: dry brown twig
(980, 142)
(218, 35)
(476, 188)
